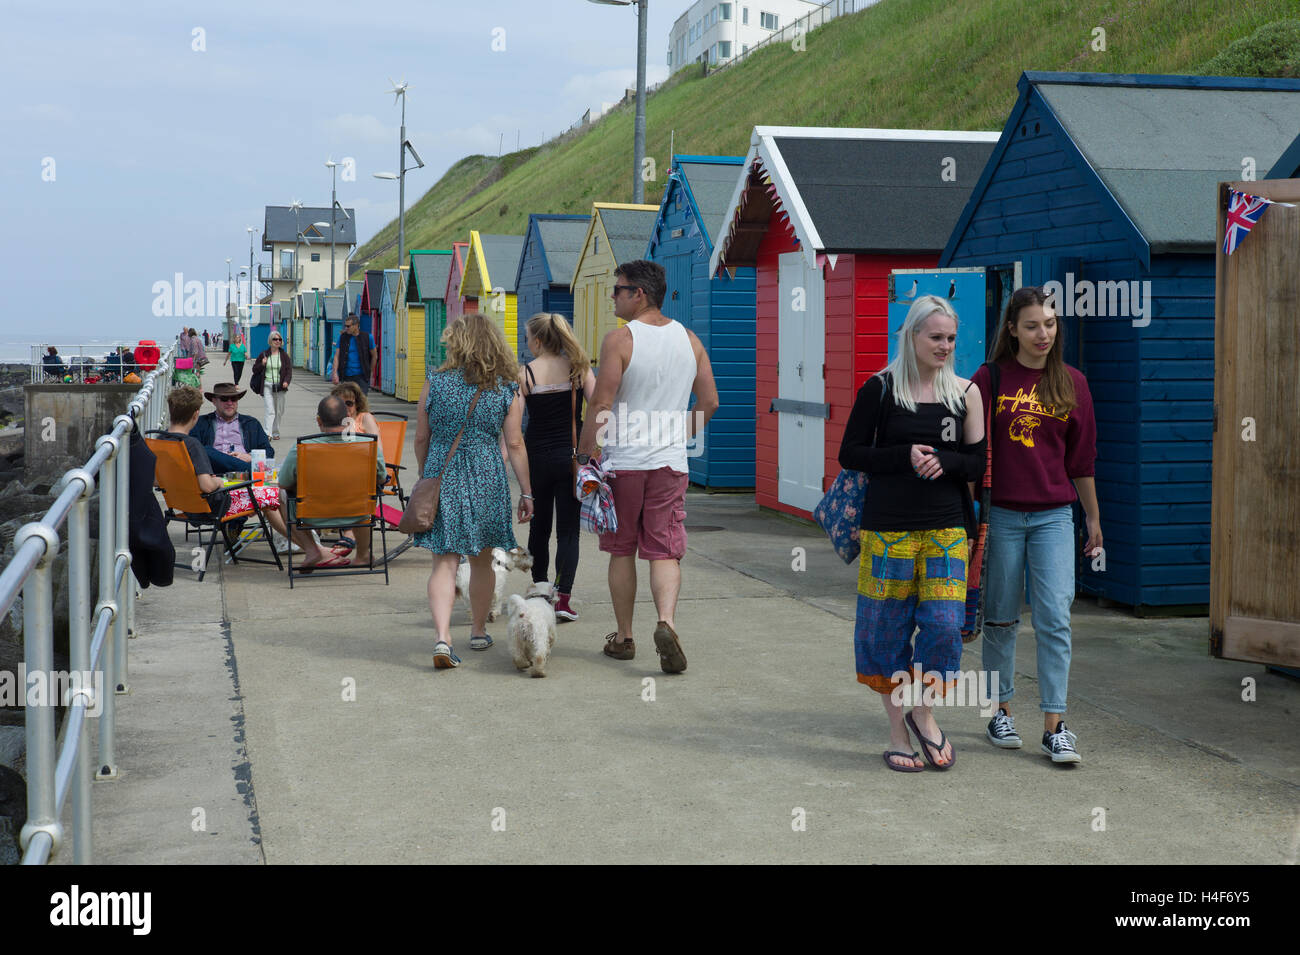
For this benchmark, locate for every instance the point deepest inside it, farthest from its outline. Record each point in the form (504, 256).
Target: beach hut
(491, 268)
(428, 286)
(456, 305)
(371, 316)
(410, 338)
(551, 247)
(720, 310)
(825, 216)
(388, 303)
(352, 294)
(618, 232)
(1105, 184)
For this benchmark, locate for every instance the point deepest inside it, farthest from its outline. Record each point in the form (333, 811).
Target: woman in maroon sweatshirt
(1043, 438)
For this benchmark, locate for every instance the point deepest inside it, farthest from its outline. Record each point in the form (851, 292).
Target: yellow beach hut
(491, 268)
(618, 232)
(410, 341)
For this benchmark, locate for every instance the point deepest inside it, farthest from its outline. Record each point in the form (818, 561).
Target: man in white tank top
(649, 368)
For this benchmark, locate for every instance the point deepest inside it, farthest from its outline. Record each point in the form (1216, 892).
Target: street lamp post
(638, 135)
(251, 232)
(399, 92)
(230, 283)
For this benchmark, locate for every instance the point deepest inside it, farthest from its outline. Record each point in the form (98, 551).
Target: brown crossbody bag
(422, 505)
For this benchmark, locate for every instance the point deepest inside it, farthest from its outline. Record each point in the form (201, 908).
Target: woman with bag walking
(917, 431)
(554, 385)
(1044, 443)
(272, 372)
(236, 356)
(465, 408)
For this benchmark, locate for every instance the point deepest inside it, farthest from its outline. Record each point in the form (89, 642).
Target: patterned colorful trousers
(909, 582)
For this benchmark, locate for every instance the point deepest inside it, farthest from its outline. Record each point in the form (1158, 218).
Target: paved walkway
(766, 750)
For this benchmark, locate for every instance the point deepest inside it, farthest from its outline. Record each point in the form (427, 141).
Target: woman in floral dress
(474, 504)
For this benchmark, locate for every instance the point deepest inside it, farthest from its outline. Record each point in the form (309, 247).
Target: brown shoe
(620, 651)
(671, 658)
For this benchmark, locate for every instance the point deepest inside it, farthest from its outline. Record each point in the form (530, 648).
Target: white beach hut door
(801, 391)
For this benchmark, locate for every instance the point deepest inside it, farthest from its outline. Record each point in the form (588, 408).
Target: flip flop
(342, 549)
(902, 769)
(336, 560)
(927, 745)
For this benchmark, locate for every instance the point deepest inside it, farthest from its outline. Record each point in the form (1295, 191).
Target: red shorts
(651, 508)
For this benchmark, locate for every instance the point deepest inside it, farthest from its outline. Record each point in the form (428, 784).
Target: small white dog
(503, 561)
(532, 629)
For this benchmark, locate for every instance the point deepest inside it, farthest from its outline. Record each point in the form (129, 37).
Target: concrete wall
(62, 422)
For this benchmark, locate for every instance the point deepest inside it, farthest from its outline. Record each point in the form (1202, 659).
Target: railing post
(121, 529)
(79, 657)
(107, 547)
(38, 657)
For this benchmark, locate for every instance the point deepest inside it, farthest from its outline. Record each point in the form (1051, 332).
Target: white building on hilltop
(717, 32)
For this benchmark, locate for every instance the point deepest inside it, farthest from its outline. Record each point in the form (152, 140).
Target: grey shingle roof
(374, 287)
(882, 194)
(629, 232)
(432, 269)
(392, 278)
(561, 245)
(333, 306)
(502, 254)
(712, 185)
(1163, 151)
(282, 224)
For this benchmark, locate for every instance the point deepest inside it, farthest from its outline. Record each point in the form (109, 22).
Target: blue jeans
(222, 462)
(1040, 543)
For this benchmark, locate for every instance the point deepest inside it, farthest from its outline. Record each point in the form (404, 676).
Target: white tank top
(647, 425)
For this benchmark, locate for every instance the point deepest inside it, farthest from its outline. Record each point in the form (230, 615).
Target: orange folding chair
(174, 475)
(392, 437)
(336, 490)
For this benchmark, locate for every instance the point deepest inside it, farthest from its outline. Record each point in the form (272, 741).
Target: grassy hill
(930, 64)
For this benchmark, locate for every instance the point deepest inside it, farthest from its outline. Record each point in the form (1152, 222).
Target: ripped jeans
(1040, 544)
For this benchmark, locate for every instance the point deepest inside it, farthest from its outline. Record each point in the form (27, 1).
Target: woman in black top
(917, 430)
(554, 385)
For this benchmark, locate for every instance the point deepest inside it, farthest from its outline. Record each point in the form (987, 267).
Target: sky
(142, 137)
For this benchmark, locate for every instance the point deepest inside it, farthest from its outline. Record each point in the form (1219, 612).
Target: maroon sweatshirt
(1036, 451)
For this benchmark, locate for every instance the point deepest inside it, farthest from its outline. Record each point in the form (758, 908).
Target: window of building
(724, 49)
(286, 260)
(744, 48)
(744, 16)
(726, 10)
(315, 256)
(768, 21)
(670, 57)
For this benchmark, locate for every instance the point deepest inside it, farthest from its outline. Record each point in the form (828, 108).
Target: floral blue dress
(474, 507)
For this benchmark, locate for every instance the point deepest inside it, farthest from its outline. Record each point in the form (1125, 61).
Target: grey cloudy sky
(163, 153)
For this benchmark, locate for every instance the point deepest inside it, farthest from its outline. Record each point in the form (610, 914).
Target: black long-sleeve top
(897, 499)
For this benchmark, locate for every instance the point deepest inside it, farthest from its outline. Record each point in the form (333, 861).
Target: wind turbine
(399, 92)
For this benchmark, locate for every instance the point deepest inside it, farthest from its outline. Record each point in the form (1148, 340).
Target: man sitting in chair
(329, 418)
(228, 436)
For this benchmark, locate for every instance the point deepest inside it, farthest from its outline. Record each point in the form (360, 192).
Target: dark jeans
(361, 382)
(552, 482)
(238, 368)
(222, 462)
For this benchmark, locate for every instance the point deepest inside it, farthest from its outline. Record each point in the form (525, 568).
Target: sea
(17, 349)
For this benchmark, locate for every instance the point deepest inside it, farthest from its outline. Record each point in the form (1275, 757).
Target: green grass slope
(929, 64)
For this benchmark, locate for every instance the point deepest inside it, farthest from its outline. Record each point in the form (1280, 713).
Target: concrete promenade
(765, 750)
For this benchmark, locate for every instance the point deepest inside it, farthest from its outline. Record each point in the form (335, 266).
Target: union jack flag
(1244, 211)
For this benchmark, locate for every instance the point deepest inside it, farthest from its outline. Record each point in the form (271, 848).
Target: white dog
(532, 629)
(503, 561)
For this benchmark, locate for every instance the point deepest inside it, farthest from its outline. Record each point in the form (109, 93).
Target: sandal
(902, 769)
(343, 547)
(480, 642)
(620, 651)
(333, 561)
(444, 657)
(927, 745)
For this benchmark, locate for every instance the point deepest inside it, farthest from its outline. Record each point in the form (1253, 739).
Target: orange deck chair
(392, 436)
(336, 491)
(174, 476)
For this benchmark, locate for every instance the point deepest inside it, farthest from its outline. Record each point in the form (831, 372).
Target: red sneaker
(562, 609)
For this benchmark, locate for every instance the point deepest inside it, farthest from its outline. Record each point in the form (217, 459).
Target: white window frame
(762, 18)
(726, 10)
(744, 16)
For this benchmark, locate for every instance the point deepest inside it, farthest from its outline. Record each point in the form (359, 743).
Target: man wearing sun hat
(227, 435)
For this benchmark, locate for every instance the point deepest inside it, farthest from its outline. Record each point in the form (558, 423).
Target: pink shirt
(228, 437)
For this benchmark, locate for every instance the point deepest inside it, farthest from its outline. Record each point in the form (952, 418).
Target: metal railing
(279, 273)
(82, 362)
(95, 636)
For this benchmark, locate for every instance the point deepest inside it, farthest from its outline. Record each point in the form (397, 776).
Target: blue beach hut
(1107, 185)
(388, 321)
(719, 310)
(551, 248)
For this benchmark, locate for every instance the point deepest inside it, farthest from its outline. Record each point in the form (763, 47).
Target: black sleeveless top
(548, 430)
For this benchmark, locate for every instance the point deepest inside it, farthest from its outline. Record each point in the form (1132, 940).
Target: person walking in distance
(236, 356)
(649, 368)
(555, 385)
(355, 356)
